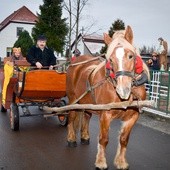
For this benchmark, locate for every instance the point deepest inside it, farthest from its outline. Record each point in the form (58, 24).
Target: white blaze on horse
(88, 83)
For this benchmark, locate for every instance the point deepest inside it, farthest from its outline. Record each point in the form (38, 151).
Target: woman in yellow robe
(8, 73)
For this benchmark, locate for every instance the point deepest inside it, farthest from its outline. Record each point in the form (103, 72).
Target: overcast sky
(149, 19)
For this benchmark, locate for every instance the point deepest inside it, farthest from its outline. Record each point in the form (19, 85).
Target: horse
(87, 82)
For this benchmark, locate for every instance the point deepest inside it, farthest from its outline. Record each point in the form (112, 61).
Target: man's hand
(51, 67)
(38, 64)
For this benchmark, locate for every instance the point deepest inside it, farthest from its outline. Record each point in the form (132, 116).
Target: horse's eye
(130, 56)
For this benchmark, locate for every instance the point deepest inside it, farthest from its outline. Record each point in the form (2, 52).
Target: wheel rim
(11, 119)
(14, 117)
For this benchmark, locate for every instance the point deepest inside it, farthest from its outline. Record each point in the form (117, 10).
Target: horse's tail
(146, 70)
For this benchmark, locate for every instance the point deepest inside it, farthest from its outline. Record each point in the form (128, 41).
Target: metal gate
(158, 90)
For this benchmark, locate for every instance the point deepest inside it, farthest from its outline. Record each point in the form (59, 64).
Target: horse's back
(78, 74)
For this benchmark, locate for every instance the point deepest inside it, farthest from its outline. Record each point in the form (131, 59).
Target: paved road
(41, 144)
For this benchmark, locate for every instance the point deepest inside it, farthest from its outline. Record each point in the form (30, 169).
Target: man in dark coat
(40, 55)
(154, 63)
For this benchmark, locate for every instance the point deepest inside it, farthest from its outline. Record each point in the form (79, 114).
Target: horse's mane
(118, 38)
(119, 33)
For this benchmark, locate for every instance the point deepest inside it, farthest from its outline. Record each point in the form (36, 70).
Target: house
(10, 28)
(89, 44)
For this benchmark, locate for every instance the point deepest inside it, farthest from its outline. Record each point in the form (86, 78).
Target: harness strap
(84, 62)
(90, 89)
(124, 73)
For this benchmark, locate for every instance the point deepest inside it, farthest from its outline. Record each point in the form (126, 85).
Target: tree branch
(109, 106)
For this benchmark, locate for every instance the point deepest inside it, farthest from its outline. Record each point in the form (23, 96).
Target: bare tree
(147, 49)
(69, 10)
(74, 18)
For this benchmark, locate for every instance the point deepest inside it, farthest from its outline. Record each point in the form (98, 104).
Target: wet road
(41, 144)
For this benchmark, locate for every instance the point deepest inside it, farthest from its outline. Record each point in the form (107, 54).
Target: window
(9, 51)
(19, 30)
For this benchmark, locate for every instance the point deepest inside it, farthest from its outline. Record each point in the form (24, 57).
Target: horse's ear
(107, 38)
(129, 34)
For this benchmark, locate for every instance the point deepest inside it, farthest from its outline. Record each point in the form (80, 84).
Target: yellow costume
(8, 73)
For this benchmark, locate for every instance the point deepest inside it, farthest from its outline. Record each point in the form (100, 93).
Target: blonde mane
(119, 33)
(118, 38)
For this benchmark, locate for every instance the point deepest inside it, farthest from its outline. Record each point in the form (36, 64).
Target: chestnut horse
(88, 83)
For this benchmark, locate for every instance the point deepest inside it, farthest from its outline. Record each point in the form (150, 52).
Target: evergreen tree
(24, 41)
(117, 25)
(51, 24)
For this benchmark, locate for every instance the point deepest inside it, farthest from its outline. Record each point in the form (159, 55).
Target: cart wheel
(3, 109)
(63, 119)
(40, 108)
(14, 117)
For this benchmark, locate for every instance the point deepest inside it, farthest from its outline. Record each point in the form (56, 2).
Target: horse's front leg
(71, 136)
(120, 159)
(105, 120)
(85, 137)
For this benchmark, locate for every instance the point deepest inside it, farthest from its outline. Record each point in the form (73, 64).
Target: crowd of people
(159, 60)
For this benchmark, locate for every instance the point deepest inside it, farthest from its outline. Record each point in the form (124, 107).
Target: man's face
(154, 57)
(17, 54)
(41, 44)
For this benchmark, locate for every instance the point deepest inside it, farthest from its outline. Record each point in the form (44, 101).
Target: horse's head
(121, 54)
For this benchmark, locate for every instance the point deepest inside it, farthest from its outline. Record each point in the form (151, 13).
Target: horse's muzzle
(124, 92)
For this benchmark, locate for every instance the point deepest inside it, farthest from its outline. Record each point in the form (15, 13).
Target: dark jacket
(45, 57)
(155, 65)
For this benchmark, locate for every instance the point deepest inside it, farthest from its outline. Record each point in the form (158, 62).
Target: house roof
(93, 38)
(22, 15)
(92, 42)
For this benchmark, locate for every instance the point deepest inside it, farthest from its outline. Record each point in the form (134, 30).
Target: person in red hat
(76, 53)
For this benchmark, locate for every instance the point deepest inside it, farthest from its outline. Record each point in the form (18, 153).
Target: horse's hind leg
(120, 159)
(85, 139)
(105, 120)
(71, 136)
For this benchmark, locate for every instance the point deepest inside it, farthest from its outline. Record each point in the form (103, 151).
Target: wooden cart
(36, 87)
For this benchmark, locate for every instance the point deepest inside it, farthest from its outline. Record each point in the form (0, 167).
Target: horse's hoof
(123, 168)
(72, 144)
(101, 169)
(85, 141)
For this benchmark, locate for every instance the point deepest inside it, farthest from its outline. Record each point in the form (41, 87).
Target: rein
(84, 62)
